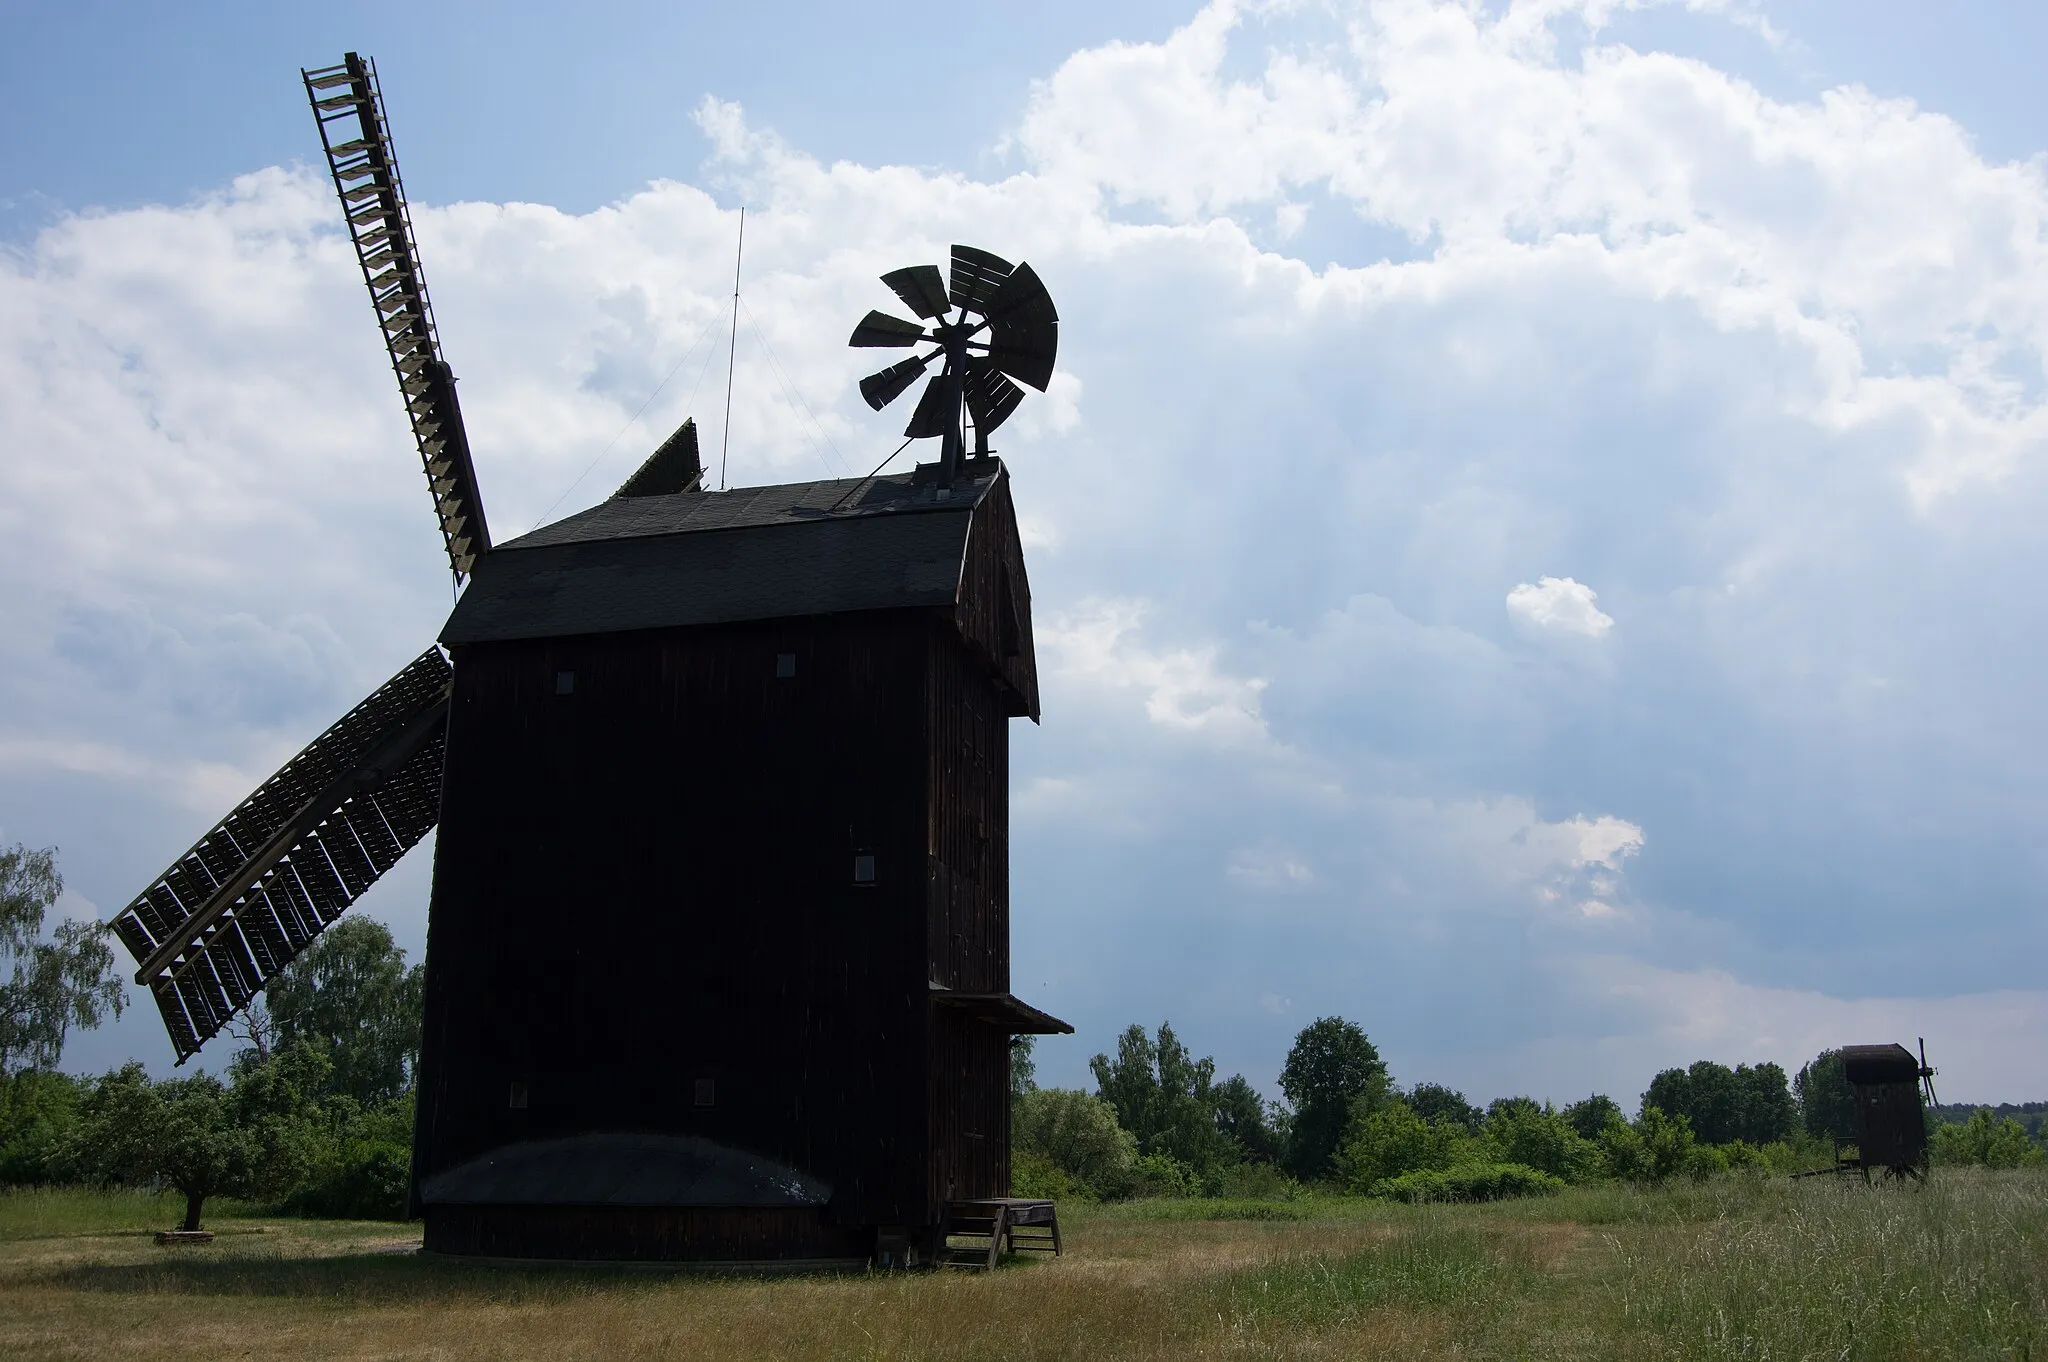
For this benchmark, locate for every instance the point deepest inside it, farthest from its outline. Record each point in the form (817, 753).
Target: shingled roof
(692, 558)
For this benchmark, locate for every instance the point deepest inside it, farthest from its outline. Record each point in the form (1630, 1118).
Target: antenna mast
(732, 346)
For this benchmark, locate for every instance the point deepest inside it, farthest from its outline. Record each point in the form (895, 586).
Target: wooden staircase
(993, 1227)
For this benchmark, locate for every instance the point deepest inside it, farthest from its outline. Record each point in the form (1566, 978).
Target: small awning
(1006, 1010)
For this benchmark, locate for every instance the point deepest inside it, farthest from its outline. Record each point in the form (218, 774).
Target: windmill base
(647, 1234)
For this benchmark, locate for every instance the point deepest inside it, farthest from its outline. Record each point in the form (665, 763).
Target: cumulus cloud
(1770, 371)
(1559, 605)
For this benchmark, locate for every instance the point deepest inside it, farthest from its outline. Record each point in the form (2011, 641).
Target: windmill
(718, 947)
(993, 322)
(1891, 1125)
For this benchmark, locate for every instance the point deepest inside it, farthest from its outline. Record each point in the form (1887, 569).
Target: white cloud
(1559, 605)
(1183, 689)
(1983, 1044)
(1650, 322)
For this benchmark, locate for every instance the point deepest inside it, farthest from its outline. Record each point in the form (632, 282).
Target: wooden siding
(968, 920)
(994, 610)
(649, 881)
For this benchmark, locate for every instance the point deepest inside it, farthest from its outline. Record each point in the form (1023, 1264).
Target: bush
(1255, 1182)
(1650, 1149)
(359, 1180)
(1034, 1175)
(1540, 1137)
(1078, 1135)
(37, 1110)
(1163, 1175)
(1703, 1161)
(1470, 1182)
(1986, 1142)
(1391, 1139)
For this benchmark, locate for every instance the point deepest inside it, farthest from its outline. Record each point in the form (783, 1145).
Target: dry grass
(1733, 1269)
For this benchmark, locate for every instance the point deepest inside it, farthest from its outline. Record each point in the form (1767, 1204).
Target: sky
(1533, 535)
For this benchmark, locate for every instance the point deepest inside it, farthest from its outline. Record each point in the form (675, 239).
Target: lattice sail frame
(373, 199)
(252, 893)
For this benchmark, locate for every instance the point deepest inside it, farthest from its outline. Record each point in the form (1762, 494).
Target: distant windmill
(718, 952)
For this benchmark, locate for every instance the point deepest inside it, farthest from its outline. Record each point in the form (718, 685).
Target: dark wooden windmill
(718, 951)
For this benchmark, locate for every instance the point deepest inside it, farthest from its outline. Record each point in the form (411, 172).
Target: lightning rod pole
(732, 347)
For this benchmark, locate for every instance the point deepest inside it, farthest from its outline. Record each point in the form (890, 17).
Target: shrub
(1650, 1149)
(1034, 1175)
(1391, 1139)
(1256, 1182)
(1986, 1142)
(1703, 1161)
(37, 1110)
(1077, 1134)
(1540, 1137)
(1470, 1182)
(1163, 1175)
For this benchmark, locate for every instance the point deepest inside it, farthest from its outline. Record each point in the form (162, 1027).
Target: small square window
(864, 867)
(516, 1099)
(707, 1092)
(785, 666)
(565, 683)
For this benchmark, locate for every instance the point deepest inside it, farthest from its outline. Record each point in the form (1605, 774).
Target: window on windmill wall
(565, 683)
(707, 1092)
(785, 666)
(516, 1098)
(863, 867)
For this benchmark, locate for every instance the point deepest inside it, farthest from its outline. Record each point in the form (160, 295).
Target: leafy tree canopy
(1331, 1068)
(1749, 1102)
(205, 1139)
(1023, 1068)
(1591, 1115)
(351, 997)
(1246, 1120)
(54, 984)
(1435, 1102)
(1827, 1104)
(1164, 1096)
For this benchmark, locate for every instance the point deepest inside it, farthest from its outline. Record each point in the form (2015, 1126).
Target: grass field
(1728, 1269)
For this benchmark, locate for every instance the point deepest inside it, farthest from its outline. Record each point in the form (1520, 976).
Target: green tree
(200, 1136)
(1164, 1096)
(1435, 1102)
(350, 996)
(1986, 1141)
(1023, 1068)
(37, 1110)
(1652, 1148)
(1590, 1115)
(52, 985)
(1538, 1136)
(1331, 1069)
(1245, 1119)
(1767, 1111)
(1393, 1138)
(1078, 1134)
(1827, 1104)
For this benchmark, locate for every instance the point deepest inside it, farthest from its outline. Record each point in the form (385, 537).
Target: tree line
(1160, 1123)
(314, 1113)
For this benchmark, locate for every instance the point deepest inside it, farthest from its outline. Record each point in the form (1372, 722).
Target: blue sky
(1533, 537)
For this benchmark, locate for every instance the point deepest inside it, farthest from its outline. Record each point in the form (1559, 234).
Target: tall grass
(1958, 1268)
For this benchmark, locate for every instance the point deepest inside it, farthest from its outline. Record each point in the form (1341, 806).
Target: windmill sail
(350, 111)
(252, 893)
